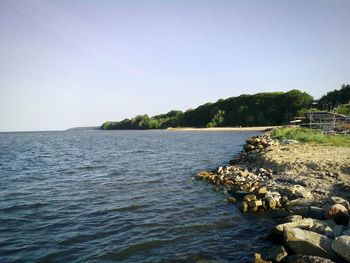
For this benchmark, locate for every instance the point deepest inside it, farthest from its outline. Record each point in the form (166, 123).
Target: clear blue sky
(79, 63)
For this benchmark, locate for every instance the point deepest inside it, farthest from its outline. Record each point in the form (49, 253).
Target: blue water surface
(103, 196)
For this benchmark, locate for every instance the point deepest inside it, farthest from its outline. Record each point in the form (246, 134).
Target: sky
(72, 63)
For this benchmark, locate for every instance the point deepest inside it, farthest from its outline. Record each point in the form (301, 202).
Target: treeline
(336, 100)
(273, 108)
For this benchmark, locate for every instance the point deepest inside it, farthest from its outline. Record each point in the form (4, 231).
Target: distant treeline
(273, 108)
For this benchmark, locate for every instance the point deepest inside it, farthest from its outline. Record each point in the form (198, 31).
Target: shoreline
(303, 187)
(260, 128)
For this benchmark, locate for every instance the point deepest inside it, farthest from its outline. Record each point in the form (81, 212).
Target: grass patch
(311, 136)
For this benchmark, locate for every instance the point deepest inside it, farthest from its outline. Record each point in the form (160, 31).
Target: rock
(314, 225)
(249, 198)
(277, 254)
(249, 147)
(256, 203)
(298, 210)
(306, 223)
(337, 230)
(287, 142)
(258, 259)
(244, 207)
(307, 259)
(292, 218)
(270, 204)
(220, 170)
(346, 232)
(341, 245)
(262, 191)
(231, 199)
(308, 243)
(342, 201)
(204, 175)
(316, 212)
(297, 191)
(339, 214)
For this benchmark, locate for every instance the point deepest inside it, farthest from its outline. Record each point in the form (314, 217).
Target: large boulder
(327, 228)
(339, 214)
(341, 245)
(342, 201)
(308, 243)
(307, 259)
(346, 232)
(277, 254)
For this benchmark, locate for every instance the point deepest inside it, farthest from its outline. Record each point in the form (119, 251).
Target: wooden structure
(325, 121)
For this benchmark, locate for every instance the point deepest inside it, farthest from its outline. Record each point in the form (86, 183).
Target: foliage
(273, 108)
(311, 136)
(333, 98)
(343, 109)
(217, 120)
(302, 112)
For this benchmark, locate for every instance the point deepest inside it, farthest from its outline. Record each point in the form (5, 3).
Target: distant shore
(261, 128)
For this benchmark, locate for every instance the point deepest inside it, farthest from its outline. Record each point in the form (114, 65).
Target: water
(102, 196)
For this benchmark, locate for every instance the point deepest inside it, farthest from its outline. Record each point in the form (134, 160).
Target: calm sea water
(101, 196)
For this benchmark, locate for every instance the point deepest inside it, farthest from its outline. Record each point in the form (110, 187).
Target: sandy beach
(261, 128)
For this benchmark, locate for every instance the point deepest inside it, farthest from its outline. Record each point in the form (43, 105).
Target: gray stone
(308, 243)
(305, 223)
(277, 254)
(297, 191)
(307, 259)
(346, 232)
(314, 225)
(341, 245)
(287, 142)
(316, 212)
(337, 230)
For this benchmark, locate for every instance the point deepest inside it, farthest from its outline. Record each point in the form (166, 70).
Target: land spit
(305, 187)
(259, 129)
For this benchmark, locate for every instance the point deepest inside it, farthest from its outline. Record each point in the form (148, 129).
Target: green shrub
(306, 135)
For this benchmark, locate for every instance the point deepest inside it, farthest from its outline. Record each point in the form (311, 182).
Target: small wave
(129, 208)
(14, 208)
(205, 227)
(133, 249)
(91, 167)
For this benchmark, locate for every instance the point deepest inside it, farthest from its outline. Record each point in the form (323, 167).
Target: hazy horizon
(79, 63)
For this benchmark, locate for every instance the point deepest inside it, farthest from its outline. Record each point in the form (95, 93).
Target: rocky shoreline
(305, 187)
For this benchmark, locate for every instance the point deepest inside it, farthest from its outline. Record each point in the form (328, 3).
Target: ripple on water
(120, 196)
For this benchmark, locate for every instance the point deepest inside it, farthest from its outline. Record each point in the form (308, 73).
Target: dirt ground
(324, 170)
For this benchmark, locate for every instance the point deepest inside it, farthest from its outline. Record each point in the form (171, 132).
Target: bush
(306, 135)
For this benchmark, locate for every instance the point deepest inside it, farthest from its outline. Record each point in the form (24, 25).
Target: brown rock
(262, 191)
(256, 203)
(339, 214)
(342, 201)
(231, 199)
(258, 259)
(249, 198)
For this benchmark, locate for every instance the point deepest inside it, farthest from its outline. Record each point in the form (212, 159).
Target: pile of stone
(313, 232)
(251, 185)
(314, 240)
(259, 143)
(253, 146)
